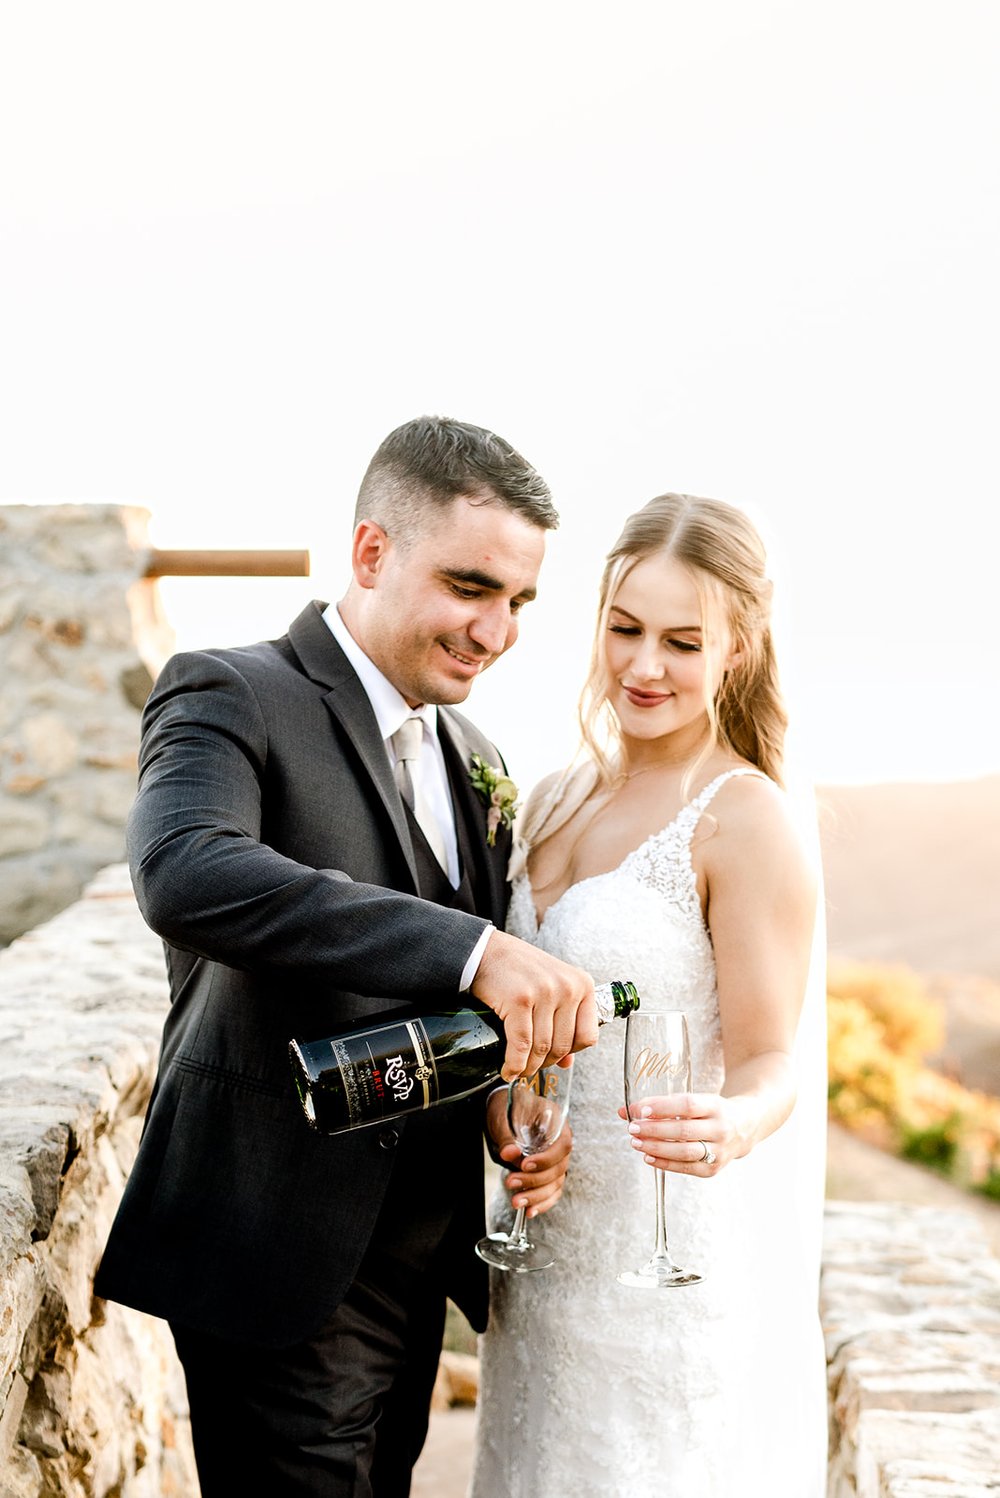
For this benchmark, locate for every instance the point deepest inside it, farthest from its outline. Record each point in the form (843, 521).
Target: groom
(310, 862)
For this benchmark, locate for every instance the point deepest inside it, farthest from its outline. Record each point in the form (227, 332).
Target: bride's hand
(692, 1133)
(535, 1181)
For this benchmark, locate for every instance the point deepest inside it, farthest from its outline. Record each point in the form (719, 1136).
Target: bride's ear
(735, 657)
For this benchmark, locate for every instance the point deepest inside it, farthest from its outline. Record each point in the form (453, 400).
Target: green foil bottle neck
(616, 1000)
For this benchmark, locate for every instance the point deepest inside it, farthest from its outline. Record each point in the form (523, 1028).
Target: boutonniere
(498, 791)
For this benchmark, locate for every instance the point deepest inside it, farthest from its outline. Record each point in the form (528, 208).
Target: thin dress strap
(664, 860)
(705, 795)
(690, 815)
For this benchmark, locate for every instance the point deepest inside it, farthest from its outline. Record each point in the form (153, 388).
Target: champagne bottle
(402, 1066)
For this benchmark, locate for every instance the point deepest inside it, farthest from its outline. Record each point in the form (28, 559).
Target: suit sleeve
(206, 883)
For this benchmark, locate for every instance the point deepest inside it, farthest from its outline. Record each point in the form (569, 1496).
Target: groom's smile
(474, 663)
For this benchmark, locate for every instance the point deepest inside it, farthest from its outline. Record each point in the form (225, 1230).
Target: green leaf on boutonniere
(498, 791)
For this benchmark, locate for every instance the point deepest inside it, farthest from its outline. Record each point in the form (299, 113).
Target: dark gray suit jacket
(271, 851)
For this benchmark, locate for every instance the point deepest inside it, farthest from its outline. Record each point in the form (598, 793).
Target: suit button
(388, 1138)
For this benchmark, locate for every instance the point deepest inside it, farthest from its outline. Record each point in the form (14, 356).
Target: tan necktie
(406, 742)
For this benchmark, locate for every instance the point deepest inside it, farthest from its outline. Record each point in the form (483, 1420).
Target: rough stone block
(458, 1379)
(950, 1450)
(15, 1394)
(91, 1390)
(79, 638)
(24, 829)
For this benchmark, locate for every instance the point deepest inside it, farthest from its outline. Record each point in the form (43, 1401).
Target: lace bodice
(597, 1390)
(594, 924)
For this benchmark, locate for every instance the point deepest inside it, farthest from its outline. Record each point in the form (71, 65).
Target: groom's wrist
(475, 957)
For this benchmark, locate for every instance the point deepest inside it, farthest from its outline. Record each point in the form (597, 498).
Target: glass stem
(517, 1237)
(660, 1253)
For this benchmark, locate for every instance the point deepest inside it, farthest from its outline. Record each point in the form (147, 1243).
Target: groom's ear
(368, 552)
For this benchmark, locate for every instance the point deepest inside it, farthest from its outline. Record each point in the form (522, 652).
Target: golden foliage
(883, 1023)
(912, 1022)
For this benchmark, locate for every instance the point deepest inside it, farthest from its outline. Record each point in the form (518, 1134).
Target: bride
(672, 856)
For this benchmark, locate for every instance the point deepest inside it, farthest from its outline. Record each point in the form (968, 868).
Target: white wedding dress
(715, 1390)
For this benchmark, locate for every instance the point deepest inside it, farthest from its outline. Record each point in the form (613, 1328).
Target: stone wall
(80, 640)
(91, 1399)
(911, 1309)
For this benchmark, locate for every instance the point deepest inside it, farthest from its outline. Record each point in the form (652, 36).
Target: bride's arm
(760, 888)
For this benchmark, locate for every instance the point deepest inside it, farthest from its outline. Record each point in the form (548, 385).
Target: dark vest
(433, 882)
(422, 1212)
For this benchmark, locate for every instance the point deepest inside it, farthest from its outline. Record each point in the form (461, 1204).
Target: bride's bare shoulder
(752, 802)
(761, 834)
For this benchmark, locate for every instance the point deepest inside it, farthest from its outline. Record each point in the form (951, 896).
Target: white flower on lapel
(498, 791)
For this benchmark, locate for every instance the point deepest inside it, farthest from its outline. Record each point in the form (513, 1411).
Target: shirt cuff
(471, 967)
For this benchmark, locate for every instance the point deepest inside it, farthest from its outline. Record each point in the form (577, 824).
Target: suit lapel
(326, 664)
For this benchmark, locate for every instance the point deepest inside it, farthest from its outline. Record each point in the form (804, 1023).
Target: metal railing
(227, 563)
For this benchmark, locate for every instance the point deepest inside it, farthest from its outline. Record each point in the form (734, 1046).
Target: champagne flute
(657, 1062)
(536, 1112)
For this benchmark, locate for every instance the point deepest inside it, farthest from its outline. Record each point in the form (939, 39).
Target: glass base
(659, 1274)
(516, 1256)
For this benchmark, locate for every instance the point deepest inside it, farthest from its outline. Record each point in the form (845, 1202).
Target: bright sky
(745, 250)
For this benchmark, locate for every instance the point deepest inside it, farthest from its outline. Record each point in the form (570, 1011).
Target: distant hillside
(913, 875)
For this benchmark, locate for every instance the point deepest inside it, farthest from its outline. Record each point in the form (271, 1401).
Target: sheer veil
(806, 1131)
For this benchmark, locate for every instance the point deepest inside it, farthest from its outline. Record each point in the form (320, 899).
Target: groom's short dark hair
(428, 462)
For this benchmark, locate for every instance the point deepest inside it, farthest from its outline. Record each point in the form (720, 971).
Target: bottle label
(386, 1071)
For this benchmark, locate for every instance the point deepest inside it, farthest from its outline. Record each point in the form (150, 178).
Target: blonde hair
(725, 556)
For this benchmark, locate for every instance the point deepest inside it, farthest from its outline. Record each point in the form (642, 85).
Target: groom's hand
(535, 1181)
(547, 1006)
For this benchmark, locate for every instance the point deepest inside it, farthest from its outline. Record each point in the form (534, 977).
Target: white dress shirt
(390, 709)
